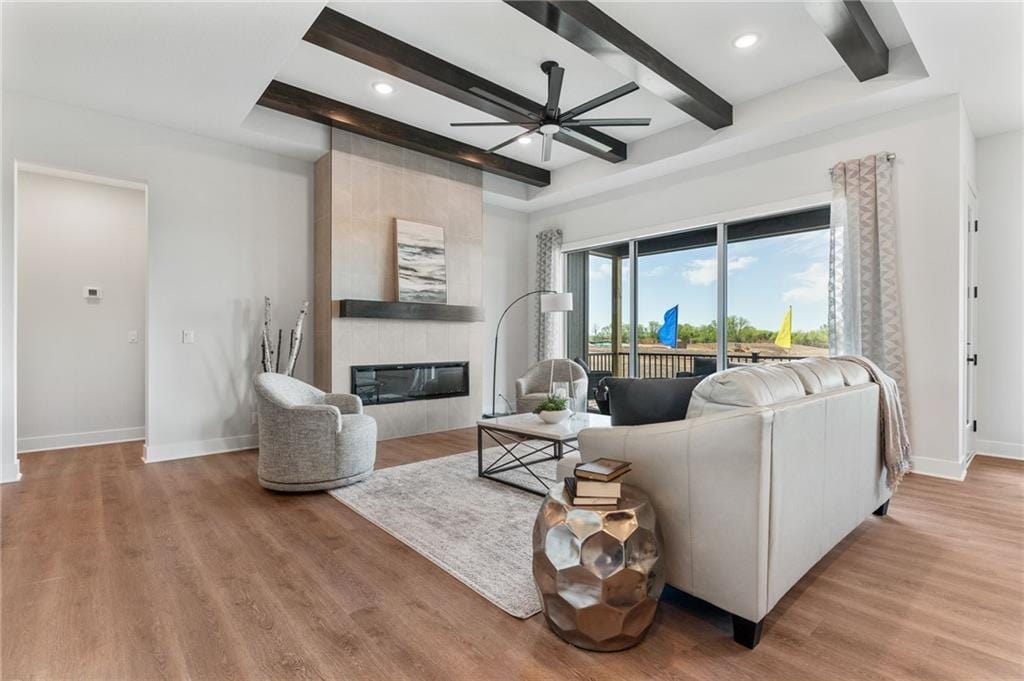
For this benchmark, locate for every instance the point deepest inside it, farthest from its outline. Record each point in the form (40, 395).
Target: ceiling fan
(551, 120)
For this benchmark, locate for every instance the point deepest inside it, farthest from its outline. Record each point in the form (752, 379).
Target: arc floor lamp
(550, 301)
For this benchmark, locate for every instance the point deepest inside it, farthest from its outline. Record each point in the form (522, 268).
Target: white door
(971, 307)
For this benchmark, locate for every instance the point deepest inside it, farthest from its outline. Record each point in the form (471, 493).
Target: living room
(319, 318)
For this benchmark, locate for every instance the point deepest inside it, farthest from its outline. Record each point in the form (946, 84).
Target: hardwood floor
(115, 569)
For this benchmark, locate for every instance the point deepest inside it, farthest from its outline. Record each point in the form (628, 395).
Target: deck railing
(668, 364)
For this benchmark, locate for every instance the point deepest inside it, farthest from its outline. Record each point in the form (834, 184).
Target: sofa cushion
(853, 373)
(748, 386)
(638, 401)
(817, 374)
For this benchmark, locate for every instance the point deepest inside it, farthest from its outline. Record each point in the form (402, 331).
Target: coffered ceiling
(201, 67)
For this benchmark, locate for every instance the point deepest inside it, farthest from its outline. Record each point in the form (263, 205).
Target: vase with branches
(271, 352)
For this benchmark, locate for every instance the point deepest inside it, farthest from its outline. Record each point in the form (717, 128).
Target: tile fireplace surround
(361, 187)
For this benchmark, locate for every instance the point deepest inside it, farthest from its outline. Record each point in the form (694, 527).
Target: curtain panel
(865, 316)
(549, 253)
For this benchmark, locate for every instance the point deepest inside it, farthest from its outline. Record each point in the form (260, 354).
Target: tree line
(739, 330)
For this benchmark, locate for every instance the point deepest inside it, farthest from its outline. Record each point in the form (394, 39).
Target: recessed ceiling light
(526, 140)
(383, 88)
(746, 40)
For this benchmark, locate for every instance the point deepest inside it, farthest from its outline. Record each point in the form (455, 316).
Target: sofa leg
(745, 632)
(883, 509)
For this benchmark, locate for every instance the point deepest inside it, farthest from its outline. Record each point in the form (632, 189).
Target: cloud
(656, 271)
(600, 271)
(812, 285)
(704, 271)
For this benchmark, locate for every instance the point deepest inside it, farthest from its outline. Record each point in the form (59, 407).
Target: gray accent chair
(309, 439)
(535, 385)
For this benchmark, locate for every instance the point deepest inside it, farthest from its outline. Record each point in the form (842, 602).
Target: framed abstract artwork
(422, 271)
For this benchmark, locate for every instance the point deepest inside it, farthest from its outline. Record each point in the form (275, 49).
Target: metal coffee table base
(519, 452)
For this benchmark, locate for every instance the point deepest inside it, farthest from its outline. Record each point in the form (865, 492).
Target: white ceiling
(200, 67)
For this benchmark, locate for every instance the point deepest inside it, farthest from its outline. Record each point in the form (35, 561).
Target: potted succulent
(553, 409)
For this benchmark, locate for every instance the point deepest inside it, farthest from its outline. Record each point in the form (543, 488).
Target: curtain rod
(888, 157)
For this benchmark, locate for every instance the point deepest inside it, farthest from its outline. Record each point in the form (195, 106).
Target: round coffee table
(598, 569)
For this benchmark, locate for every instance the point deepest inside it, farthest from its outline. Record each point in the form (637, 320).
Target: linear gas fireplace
(389, 383)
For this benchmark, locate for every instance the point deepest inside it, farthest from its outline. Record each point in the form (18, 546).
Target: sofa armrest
(709, 482)
(346, 404)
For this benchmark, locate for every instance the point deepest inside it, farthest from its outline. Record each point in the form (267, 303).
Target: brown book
(595, 488)
(602, 470)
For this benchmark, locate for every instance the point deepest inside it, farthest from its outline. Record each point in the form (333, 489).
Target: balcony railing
(668, 364)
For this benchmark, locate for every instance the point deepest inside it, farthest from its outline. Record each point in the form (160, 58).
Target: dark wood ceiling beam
(593, 31)
(311, 106)
(344, 35)
(855, 37)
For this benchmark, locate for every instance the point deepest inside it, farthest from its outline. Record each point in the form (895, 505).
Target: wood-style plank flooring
(115, 569)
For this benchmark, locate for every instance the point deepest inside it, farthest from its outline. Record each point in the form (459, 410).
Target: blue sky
(765, 277)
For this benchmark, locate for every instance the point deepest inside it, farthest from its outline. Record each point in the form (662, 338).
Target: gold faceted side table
(598, 570)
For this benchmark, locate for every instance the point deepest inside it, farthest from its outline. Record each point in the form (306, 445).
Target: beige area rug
(477, 530)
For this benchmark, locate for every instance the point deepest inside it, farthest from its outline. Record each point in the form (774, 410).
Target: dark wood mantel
(382, 309)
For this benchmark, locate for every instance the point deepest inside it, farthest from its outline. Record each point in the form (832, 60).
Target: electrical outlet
(254, 417)
(188, 336)
(133, 336)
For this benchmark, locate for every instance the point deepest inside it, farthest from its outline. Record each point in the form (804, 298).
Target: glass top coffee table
(525, 441)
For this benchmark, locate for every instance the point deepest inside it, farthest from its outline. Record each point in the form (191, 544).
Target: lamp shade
(556, 302)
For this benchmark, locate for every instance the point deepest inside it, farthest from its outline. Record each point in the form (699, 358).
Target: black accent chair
(594, 378)
(638, 401)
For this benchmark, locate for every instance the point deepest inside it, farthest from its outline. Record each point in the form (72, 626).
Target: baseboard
(44, 443)
(1002, 450)
(187, 450)
(941, 468)
(11, 472)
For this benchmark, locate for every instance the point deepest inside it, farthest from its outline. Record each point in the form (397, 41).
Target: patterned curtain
(549, 251)
(864, 312)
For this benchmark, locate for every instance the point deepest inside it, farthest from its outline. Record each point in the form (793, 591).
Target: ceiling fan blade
(532, 115)
(598, 122)
(510, 141)
(599, 101)
(588, 141)
(490, 123)
(555, 75)
(545, 153)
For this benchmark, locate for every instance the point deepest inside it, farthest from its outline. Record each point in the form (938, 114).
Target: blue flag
(668, 334)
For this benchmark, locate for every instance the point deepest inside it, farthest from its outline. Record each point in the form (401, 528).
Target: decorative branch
(271, 356)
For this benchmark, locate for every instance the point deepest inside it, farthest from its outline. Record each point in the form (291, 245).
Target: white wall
(80, 380)
(506, 235)
(1000, 255)
(926, 141)
(227, 225)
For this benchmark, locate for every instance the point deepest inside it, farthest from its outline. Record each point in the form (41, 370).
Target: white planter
(554, 416)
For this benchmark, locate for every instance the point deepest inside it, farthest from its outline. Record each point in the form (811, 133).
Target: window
(771, 265)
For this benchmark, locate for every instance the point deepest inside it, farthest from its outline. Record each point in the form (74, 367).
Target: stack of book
(596, 483)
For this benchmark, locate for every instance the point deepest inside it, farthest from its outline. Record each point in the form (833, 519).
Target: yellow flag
(784, 339)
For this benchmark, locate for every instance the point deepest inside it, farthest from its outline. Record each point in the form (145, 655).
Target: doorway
(80, 311)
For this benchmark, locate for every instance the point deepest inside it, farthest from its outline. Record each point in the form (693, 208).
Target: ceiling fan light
(746, 40)
(550, 128)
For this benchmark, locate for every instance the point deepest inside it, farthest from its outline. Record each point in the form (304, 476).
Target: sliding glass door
(677, 284)
(733, 293)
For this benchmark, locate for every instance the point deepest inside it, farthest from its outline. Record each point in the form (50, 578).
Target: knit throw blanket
(895, 438)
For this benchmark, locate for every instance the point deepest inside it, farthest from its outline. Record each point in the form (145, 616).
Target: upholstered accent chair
(309, 439)
(535, 385)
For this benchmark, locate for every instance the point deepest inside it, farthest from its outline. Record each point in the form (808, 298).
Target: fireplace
(390, 383)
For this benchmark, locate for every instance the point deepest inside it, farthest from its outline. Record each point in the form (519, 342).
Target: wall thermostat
(92, 292)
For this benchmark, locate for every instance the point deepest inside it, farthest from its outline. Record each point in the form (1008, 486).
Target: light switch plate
(188, 336)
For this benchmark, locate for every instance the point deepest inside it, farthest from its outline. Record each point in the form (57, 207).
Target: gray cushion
(636, 401)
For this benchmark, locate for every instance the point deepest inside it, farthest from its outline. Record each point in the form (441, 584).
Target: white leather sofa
(772, 467)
